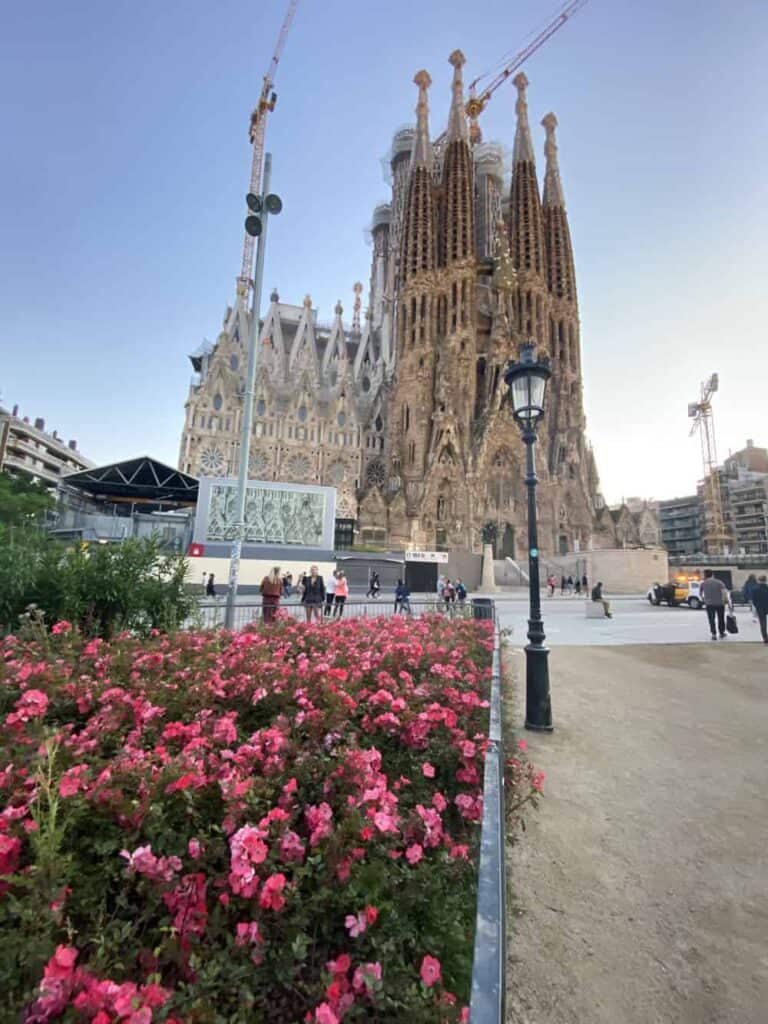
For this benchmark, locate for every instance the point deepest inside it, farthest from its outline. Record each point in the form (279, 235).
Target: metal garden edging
(488, 997)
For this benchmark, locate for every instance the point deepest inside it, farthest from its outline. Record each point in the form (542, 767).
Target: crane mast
(715, 537)
(256, 132)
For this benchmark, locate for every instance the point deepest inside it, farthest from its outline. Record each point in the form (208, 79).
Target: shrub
(279, 825)
(102, 588)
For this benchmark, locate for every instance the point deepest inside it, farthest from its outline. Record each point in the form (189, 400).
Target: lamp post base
(538, 705)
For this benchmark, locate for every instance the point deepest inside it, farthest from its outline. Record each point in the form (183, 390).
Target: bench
(594, 610)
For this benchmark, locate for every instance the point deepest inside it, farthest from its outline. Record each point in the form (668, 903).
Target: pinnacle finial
(422, 156)
(457, 119)
(523, 150)
(553, 188)
(308, 301)
(274, 297)
(338, 309)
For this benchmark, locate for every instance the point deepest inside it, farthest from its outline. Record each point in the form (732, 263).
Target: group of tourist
(320, 599)
(451, 592)
(569, 587)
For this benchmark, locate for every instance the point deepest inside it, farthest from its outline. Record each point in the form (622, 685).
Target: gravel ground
(640, 890)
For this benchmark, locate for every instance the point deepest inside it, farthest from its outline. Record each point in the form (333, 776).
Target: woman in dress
(313, 594)
(271, 592)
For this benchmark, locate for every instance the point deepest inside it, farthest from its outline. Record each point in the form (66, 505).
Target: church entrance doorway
(508, 542)
(563, 544)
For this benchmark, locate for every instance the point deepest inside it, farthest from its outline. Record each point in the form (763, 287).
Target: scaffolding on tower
(715, 538)
(256, 133)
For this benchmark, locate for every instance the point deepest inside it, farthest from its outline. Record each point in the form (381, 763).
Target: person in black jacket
(760, 604)
(313, 594)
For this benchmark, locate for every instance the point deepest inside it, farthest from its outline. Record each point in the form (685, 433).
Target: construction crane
(715, 538)
(476, 104)
(256, 129)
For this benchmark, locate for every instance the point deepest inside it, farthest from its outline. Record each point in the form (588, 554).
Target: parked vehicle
(679, 591)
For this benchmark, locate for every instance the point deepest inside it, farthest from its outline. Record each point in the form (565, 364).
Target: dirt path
(640, 891)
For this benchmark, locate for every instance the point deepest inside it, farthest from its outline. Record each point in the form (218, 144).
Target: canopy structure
(142, 480)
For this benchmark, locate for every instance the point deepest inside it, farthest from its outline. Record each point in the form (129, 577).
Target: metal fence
(488, 994)
(210, 614)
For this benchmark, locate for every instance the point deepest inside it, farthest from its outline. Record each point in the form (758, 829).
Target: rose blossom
(430, 971)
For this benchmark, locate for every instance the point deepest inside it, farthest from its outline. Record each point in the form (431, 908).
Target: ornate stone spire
(457, 118)
(419, 228)
(457, 241)
(553, 189)
(525, 230)
(523, 146)
(422, 151)
(561, 276)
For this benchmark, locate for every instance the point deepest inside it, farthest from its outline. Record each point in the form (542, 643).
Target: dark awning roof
(137, 479)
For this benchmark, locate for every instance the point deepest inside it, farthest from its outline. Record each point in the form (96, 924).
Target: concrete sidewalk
(640, 890)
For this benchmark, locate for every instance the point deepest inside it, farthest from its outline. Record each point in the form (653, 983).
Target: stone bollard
(488, 580)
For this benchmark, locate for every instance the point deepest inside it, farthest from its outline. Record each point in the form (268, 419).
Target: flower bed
(276, 825)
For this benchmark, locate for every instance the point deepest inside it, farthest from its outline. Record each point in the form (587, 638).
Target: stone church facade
(403, 410)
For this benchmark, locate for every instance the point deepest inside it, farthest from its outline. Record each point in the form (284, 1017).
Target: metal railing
(488, 992)
(210, 614)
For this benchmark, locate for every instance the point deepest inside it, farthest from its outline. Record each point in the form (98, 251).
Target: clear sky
(125, 161)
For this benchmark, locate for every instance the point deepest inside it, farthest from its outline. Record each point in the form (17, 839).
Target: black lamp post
(527, 382)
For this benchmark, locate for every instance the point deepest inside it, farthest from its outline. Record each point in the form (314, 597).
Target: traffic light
(260, 206)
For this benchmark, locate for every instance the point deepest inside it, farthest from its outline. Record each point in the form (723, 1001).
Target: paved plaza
(634, 621)
(639, 889)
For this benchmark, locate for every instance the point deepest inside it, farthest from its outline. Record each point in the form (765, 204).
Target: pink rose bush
(276, 825)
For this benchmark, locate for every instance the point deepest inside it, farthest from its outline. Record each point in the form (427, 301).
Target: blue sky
(126, 160)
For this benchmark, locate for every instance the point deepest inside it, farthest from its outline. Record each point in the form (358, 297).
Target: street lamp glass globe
(527, 382)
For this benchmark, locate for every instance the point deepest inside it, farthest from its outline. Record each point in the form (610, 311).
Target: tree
(23, 500)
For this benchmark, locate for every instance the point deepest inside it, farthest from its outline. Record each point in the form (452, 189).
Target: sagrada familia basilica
(403, 410)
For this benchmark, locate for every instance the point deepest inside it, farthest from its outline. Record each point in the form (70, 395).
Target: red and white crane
(256, 130)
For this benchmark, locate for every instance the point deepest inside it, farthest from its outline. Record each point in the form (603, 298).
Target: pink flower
(73, 781)
(10, 849)
(385, 822)
(247, 933)
(194, 849)
(364, 978)
(355, 924)
(439, 802)
(247, 849)
(538, 782)
(522, 745)
(61, 627)
(430, 971)
(325, 1015)
(428, 770)
(340, 966)
(414, 854)
(272, 893)
(61, 963)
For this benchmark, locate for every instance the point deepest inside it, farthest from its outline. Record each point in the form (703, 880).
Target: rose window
(258, 464)
(374, 474)
(212, 460)
(299, 466)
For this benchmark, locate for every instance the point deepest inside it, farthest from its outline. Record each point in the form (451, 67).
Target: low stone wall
(621, 570)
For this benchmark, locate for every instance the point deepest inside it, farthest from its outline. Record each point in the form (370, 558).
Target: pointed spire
(457, 235)
(525, 229)
(419, 223)
(457, 118)
(561, 276)
(523, 150)
(422, 151)
(553, 188)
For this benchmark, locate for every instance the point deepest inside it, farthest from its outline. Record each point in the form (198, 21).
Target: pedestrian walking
(271, 591)
(288, 584)
(714, 594)
(597, 596)
(562, 585)
(760, 604)
(449, 595)
(313, 594)
(584, 583)
(402, 598)
(374, 585)
(577, 586)
(340, 594)
(330, 592)
(461, 592)
(748, 590)
(210, 586)
(551, 584)
(440, 585)
(569, 585)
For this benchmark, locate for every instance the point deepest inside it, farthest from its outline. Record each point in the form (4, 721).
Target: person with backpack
(402, 598)
(374, 585)
(461, 592)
